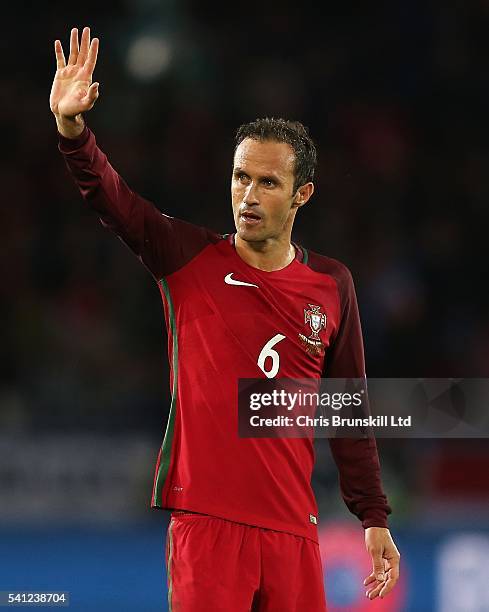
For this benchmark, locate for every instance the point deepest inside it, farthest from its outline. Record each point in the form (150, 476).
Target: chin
(250, 235)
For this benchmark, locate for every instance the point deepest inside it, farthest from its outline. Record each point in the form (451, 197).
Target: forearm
(360, 482)
(100, 185)
(120, 208)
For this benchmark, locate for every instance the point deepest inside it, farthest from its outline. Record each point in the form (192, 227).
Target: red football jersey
(222, 316)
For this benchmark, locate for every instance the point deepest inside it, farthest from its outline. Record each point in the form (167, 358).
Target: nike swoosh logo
(229, 280)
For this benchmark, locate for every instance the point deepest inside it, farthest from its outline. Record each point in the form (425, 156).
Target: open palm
(73, 92)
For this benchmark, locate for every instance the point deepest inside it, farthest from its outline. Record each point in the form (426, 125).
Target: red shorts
(215, 565)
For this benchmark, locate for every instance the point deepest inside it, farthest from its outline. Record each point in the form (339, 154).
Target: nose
(250, 197)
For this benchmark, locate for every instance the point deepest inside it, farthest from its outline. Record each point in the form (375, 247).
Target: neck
(268, 255)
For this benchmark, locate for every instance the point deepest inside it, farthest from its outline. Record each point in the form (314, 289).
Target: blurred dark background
(395, 96)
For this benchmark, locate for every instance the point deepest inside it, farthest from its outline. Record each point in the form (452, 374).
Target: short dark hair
(293, 133)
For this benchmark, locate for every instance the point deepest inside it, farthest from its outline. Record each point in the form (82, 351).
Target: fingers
(60, 56)
(73, 47)
(382, 588)
(84, 46)
(376, 590)
(369, 580)
(373, 585)
(388, 586)
(92, 57)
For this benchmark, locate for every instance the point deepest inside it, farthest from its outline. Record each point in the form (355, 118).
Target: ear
(303, 195)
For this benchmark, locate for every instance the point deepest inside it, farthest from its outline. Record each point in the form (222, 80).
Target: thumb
(378, 566)
(91, 95)
(92, 92)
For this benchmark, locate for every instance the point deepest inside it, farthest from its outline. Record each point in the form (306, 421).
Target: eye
(268, 182)
(241, 177)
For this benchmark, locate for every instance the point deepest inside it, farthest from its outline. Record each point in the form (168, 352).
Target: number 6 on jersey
(268, 351)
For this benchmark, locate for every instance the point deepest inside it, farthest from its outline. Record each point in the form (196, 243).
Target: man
(243, 532)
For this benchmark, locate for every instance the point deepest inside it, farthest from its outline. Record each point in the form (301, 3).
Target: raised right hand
(73, 92)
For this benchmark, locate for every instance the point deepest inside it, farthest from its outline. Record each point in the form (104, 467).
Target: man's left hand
(385, 562)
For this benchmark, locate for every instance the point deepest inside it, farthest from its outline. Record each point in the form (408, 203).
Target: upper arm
(346, 358)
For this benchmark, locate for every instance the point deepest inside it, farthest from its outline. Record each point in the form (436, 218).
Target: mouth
(250, 218)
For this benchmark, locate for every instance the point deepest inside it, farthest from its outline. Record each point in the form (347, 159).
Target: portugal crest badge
(317, 322)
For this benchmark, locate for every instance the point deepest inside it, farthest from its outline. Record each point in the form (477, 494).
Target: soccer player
(243, 531)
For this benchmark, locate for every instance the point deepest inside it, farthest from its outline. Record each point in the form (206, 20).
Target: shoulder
(330, 266)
